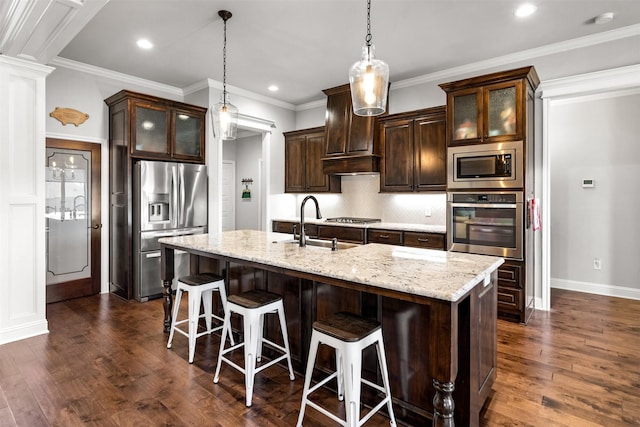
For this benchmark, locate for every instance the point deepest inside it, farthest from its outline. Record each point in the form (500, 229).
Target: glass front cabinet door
(490, 108)
(151, 136)
(466, 116)
(189, 135)
(502, 112)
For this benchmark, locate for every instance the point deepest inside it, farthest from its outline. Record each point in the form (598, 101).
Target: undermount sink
(323, 243)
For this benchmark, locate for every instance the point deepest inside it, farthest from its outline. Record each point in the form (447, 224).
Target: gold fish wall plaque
(69, 115)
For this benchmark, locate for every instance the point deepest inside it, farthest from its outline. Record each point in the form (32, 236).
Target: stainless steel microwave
(492, 166)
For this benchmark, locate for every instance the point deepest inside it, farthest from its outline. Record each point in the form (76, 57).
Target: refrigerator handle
(180, 172)
(175, 202)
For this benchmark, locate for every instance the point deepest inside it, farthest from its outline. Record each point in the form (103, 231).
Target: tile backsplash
(360, 197)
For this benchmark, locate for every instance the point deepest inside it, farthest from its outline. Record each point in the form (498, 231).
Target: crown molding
(313, 104)
(525, 55)
(116, 76)
(234, 90)
(617, 79)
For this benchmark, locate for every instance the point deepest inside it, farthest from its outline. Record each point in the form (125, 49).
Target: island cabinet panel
(407, 346)
(297, 294)
(344, 234)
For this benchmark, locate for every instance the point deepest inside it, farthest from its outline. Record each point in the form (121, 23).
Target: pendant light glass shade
(225, 120)
(224, 115)
(369, 82)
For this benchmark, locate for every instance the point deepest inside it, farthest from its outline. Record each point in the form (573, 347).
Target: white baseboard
(28, 330)
(596, 288)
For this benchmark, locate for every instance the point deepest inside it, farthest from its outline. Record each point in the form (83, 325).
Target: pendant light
(224, 114)
(369, 79)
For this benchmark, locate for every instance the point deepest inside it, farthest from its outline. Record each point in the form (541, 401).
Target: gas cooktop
(353, 220)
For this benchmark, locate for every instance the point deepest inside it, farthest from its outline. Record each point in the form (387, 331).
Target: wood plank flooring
(105, 363)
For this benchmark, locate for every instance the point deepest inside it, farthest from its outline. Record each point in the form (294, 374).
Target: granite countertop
(428, 228)
(431, 273)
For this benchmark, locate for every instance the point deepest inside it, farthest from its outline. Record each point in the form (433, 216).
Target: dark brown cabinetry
(512, 298)
(349, 138)
(160, 129)
(414, 151)
(424, 240)
(303, 152)
(387, 237)
(343, 234)
(416, 239)
(143, 127)
(310, 230)
(489, 108)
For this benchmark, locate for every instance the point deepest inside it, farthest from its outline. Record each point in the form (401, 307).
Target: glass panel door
(187, 135)
(151, 130)
(501, 115)
(68, 215)
(72, 218)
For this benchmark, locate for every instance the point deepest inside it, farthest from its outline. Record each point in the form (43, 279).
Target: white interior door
(228, 195)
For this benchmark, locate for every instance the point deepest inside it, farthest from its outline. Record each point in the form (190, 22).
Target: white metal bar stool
(200, 287)
(349, 335)
(253, 305)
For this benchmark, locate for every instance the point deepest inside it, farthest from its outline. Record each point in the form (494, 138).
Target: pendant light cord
(368, 38)
(224, 65)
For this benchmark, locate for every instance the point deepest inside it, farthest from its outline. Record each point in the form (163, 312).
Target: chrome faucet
(303, 241)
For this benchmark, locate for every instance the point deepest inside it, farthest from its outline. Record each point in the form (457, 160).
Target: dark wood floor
(105, 363)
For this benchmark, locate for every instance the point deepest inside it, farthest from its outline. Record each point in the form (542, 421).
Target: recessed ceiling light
(603, 18)
(144, 44)
(273, 88)
(525, 10)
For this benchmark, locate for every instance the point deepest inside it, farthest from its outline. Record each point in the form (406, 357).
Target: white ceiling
(304, 46)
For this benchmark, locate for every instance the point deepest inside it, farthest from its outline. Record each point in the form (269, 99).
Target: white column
(22, 199)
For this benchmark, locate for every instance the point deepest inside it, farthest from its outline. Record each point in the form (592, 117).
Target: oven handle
(486, 205)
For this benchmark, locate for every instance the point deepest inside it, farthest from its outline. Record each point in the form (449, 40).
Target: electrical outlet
(597, 264)
(427, 211)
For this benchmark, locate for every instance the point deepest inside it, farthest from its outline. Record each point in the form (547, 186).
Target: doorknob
(95, 227)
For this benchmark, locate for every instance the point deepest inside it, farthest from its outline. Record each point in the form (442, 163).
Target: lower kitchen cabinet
(416, 239)
(310, 230)
(343, 234)
(424, 240)
(512, 304)
(388, 237)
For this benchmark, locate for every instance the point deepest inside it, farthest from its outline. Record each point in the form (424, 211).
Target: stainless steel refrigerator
(170, 200)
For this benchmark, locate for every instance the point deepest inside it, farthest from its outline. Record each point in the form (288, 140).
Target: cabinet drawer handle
(384, 236)
(423, 240)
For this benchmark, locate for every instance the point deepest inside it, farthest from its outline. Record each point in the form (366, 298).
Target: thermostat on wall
(588, 183)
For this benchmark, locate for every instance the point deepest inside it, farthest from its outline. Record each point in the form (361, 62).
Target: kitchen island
(437, 309)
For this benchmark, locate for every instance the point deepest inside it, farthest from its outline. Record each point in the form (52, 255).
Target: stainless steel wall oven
(486, 223)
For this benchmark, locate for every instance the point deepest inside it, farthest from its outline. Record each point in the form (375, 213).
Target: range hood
(349, 139)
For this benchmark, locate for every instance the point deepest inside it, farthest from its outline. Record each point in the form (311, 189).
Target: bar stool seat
(252, 306)
(349, 335)
(200, 287)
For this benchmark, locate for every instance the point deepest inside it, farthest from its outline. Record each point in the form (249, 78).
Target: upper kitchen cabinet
(303, 152)
(414, 151)
(490, 108)
(160, 129)
(349, 138)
